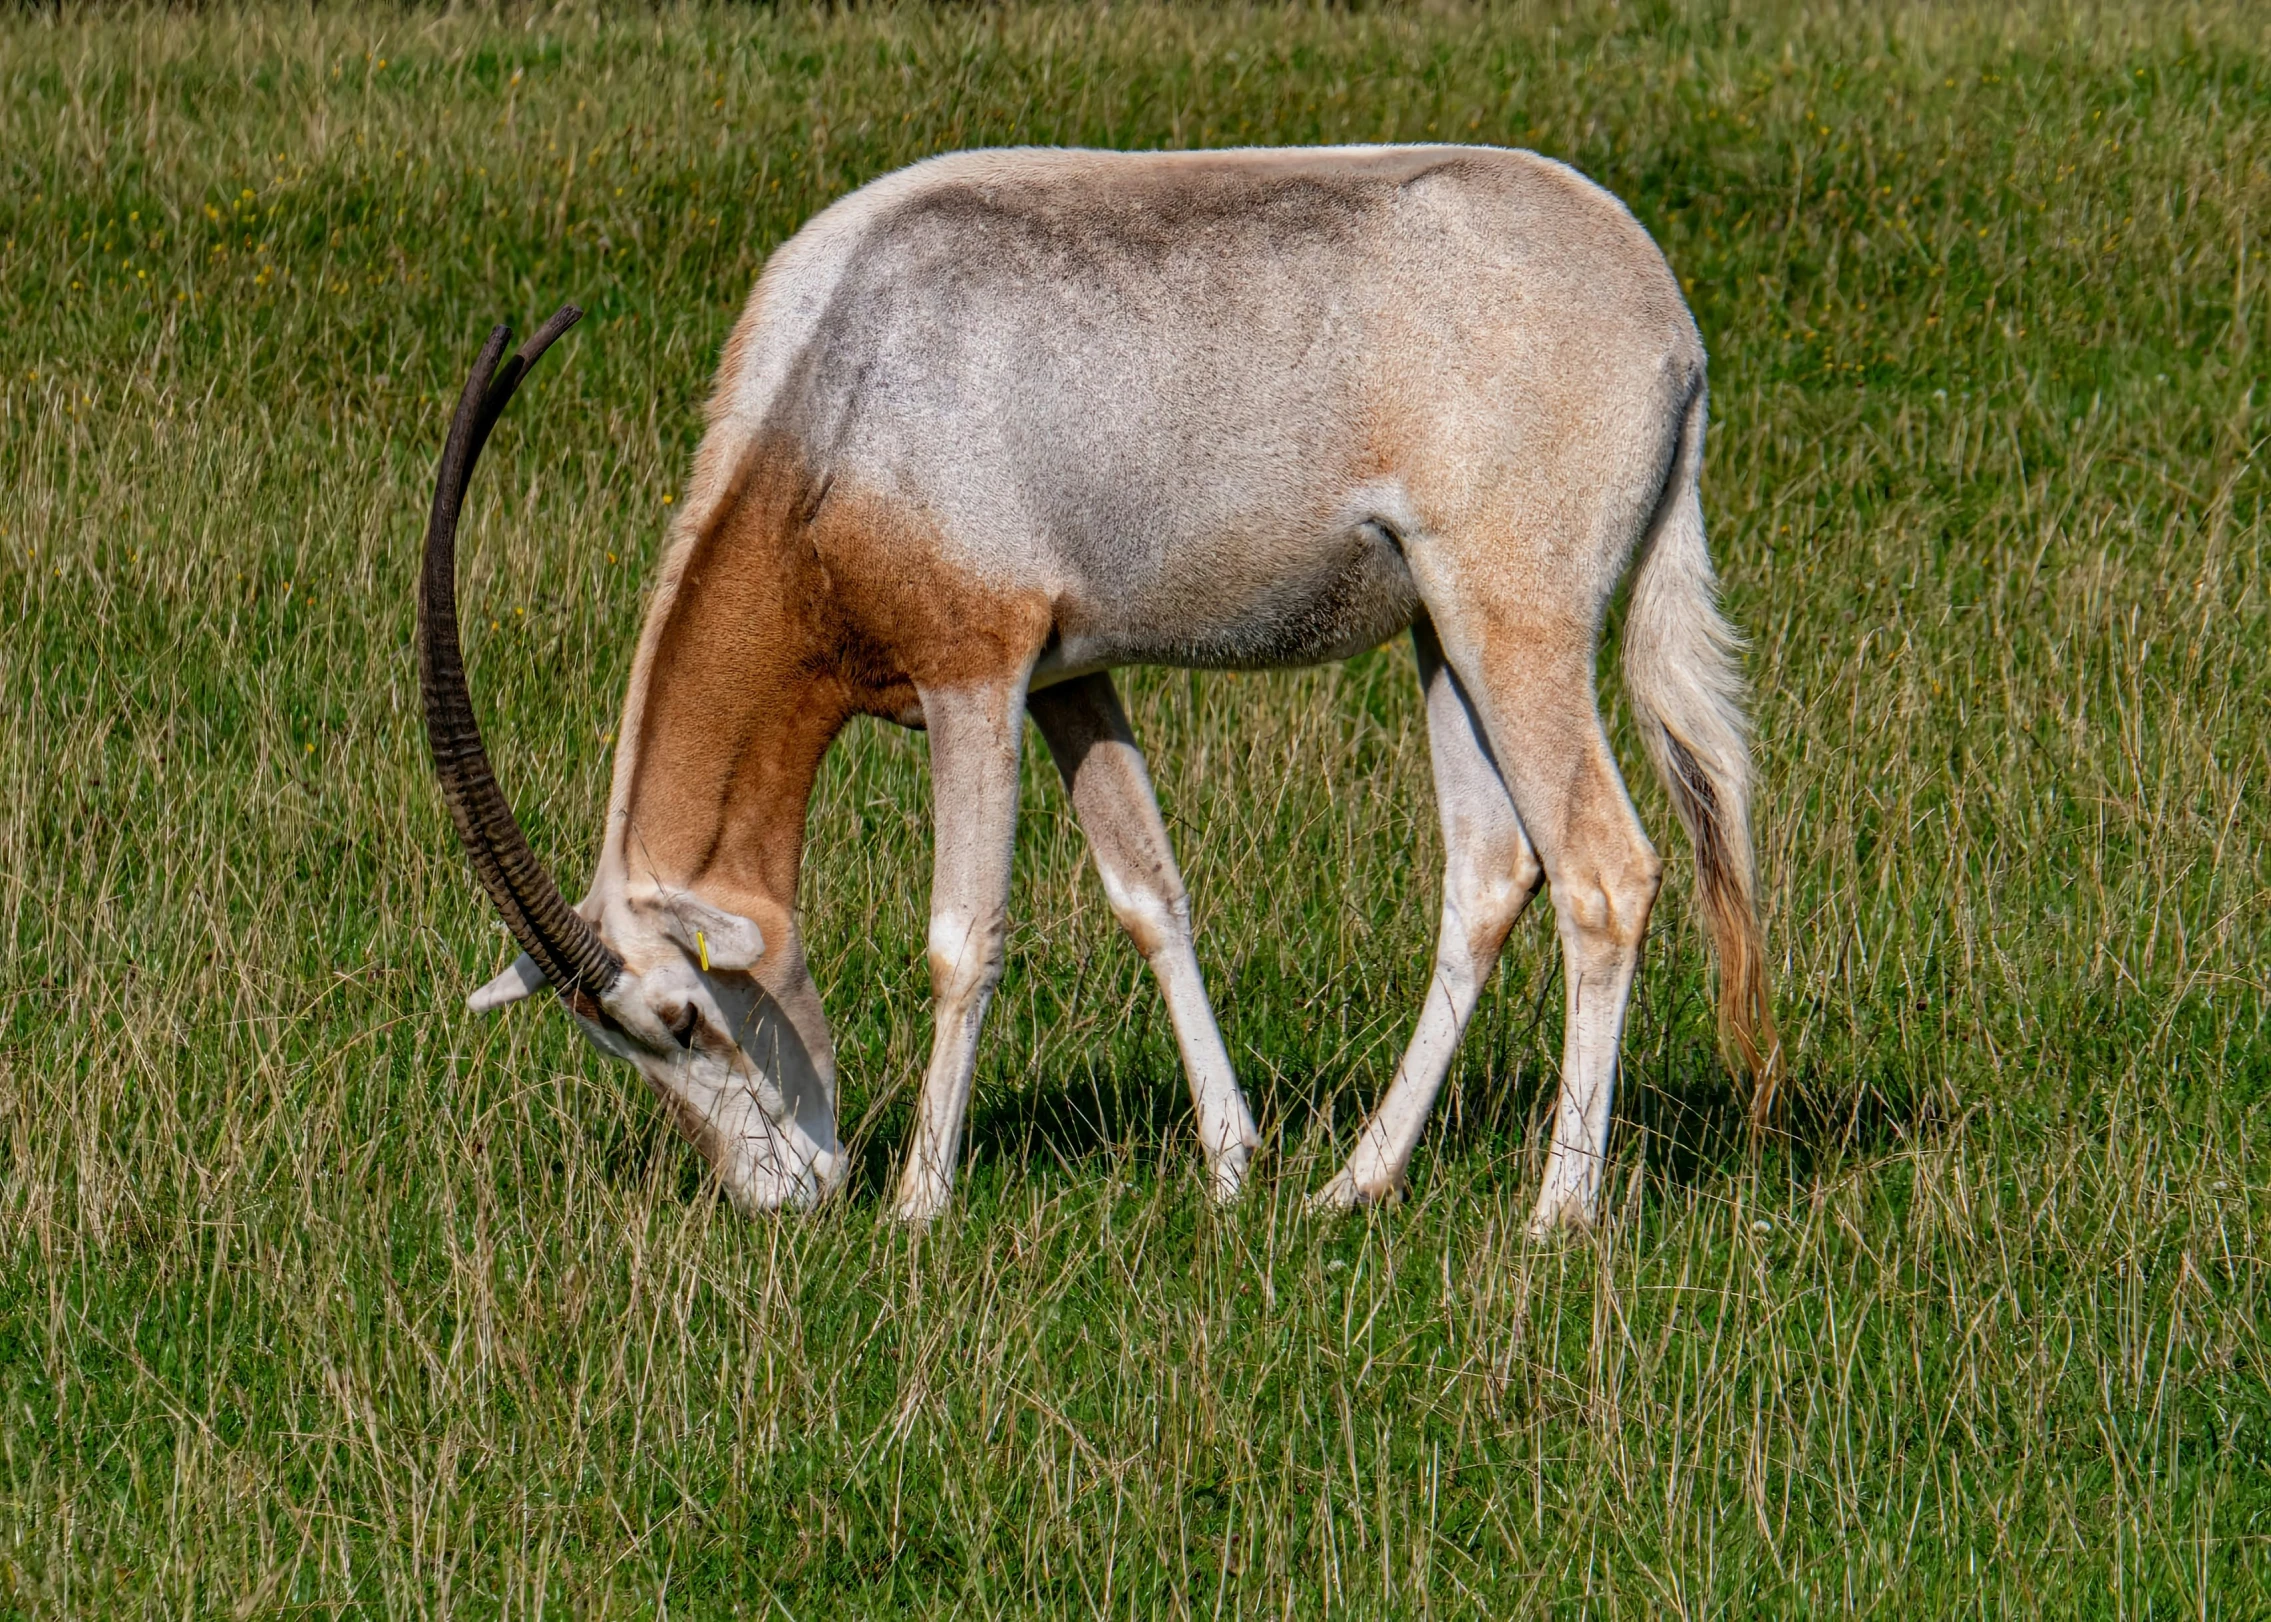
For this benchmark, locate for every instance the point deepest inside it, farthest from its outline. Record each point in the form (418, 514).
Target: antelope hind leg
(1530, 675)
(1103, 770)
(1604, 876)
(1489, 875)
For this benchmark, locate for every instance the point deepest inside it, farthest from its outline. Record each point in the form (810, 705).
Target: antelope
(998, 423)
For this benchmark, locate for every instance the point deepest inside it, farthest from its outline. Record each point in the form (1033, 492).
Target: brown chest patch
(800, 603)
(904, 614)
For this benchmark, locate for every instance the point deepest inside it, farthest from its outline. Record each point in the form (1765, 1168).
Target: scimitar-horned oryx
(1001, 421)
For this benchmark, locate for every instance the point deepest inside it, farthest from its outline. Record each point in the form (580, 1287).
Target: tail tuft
(1683, 677)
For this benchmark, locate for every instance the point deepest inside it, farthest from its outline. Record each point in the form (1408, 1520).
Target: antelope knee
(1486, 900)
(1611, 901)
(965, 955)
(1154, 916)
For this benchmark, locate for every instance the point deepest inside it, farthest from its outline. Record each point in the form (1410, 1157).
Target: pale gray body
(1154, 384)
(1046, 413)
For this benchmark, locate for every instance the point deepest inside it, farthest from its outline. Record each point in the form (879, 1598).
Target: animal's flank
(1681, 673)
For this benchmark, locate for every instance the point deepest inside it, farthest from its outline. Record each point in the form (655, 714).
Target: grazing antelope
(1004, 420)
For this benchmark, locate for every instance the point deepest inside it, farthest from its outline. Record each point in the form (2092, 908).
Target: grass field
(319, 1296)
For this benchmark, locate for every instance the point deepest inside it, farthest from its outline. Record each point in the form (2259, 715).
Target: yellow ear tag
(702, 941)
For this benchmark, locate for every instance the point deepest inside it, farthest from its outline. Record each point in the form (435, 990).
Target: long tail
(1682, 674)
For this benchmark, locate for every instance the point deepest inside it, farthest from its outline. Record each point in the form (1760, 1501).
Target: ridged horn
(574, 959)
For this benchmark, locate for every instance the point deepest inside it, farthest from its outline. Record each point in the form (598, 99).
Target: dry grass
(318, 1295)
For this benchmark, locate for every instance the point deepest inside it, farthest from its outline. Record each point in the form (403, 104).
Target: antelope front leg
(974, 735)
(1096, 753)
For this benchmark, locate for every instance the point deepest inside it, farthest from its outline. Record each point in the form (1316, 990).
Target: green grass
(317, 1295)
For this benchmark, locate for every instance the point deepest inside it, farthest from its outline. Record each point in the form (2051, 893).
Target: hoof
(1344, 1193)
(919, 1210)
(1227, 1177)
(1560, 1220)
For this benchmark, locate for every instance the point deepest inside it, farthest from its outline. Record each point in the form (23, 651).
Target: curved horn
(565, 947)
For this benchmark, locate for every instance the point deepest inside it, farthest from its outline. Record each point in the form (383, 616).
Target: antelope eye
(683, 1030)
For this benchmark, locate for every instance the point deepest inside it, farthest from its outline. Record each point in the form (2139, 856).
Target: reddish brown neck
(741, 699)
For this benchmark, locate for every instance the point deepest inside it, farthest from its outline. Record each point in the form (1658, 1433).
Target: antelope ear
(716, 939)
(521, 977)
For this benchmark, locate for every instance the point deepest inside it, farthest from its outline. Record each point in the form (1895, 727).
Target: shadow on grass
(1137, 1117)
(1691, 1116)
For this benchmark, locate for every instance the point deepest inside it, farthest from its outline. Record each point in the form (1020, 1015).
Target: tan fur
(1682, 675)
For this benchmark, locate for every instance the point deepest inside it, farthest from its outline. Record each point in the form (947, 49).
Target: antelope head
(654, 975)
